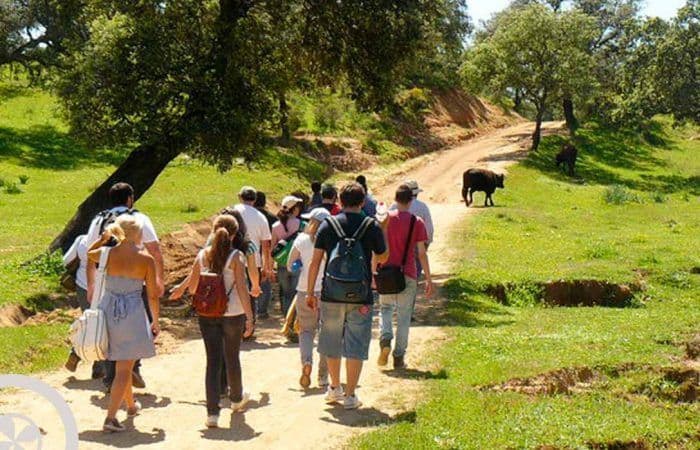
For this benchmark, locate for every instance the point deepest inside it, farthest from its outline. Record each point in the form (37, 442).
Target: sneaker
(212, 421)
(305, 379)
(399, 362)
(238, 406)
(335, 395)
(137, 380)
(384, 350)
(351, 402)
(133, 412)
(97, 373)
(72, 363)
(323, 381)
(112, 426)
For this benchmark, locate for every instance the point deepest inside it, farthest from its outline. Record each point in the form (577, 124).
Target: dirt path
(281, 414)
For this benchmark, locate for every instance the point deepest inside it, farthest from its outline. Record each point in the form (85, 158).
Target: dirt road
(281, 414)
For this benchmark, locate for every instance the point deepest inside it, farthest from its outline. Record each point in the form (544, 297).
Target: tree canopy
(536, 50)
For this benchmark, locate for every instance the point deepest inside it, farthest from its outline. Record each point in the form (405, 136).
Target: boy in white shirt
(302, 253)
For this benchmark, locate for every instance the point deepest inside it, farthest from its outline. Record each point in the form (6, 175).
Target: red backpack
(211, 297)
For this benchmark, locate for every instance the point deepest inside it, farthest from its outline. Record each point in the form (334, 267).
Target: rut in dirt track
(281, 414)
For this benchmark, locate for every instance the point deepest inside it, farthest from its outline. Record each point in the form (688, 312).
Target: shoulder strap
(408, 240)
(228, 263)
(336, 227)
(360, 233)
(101, 276)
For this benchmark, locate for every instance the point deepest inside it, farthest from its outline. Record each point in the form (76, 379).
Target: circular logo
(19, 432)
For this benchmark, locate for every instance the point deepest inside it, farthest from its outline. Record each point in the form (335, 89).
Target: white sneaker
(352, 402)
(212, 421)
(335, 395)
(237, 406)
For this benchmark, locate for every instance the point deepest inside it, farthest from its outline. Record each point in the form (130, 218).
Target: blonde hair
(116, 231)
(131, 227)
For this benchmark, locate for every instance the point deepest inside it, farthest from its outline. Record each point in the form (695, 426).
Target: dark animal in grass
(482, 180)
(567, 157)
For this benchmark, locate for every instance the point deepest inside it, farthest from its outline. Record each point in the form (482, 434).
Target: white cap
(319, 214)
(413, 186)
(290, 202)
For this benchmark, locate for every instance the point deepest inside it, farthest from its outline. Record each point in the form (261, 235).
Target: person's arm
(254, 275)
(154, 250)
(423, 258)
(429, 227)
(178, 291)
(72, 252)
(152, 293)
(194, 277)
(314, 267)
(381, 250)
(293, 256)
(267, 258)
(242, 289)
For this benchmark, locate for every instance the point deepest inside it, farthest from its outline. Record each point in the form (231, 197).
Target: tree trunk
(517, 101)
(140, 170)
(284, 117)
(537, 135)
(571, 121)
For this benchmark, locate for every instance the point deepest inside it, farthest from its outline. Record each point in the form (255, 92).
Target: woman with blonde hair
(131, 337)
(223, 335)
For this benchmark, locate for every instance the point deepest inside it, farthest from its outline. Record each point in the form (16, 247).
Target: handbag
(390, 279)
(88, 334)
(211, 298)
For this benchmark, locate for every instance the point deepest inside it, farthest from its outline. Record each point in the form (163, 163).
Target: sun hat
(291, 201)
(413, 185)
(319, 214)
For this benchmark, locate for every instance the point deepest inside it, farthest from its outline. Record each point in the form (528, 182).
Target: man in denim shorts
(346, 328)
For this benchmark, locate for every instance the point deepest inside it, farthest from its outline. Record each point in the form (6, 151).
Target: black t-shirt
(372, 241)
(271, 218)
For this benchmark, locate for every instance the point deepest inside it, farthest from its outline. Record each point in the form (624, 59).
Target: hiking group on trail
(332, 262)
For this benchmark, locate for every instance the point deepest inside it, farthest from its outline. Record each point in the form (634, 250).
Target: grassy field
(547, 226)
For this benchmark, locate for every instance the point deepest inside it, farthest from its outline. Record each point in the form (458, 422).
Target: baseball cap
(319, 214)
(248, 193)
(290, 201)
(413, 186)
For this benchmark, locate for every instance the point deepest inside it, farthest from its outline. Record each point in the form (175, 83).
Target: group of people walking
(332, 255)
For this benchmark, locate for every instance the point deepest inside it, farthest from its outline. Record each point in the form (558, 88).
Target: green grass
(547, 226)
(32, 348)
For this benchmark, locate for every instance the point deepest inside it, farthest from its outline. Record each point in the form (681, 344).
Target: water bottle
(382, 212)
(296, 266)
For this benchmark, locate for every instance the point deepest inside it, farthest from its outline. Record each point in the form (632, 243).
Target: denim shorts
(346, 330)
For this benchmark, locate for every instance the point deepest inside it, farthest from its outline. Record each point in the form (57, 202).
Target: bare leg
(334, 371)
(353, 367)
(119, 388)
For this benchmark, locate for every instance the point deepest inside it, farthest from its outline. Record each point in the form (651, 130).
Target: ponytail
(219, 251)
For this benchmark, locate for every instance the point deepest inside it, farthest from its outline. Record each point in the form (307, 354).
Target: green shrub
(190, 208)
(658, 197)
(523, 294)
(2, 182)
(12, 188)
(413, 102)
(46, 264)
(23, 179)
(328, 114)
(619, 195)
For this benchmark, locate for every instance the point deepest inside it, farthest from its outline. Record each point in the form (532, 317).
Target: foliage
(12, 188)
(619, 195)
(23, 179)
(533, 50)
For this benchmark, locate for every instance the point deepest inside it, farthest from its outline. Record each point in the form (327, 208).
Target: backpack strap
(408, 241)
(336, 227)
(360, 233)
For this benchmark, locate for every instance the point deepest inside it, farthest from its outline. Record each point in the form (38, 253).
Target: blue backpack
(347, 280)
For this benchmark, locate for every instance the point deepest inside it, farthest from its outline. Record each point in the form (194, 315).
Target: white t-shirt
(305, 247)
(257, 225)
(79, 250)
(149, 233)
(234, 306)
